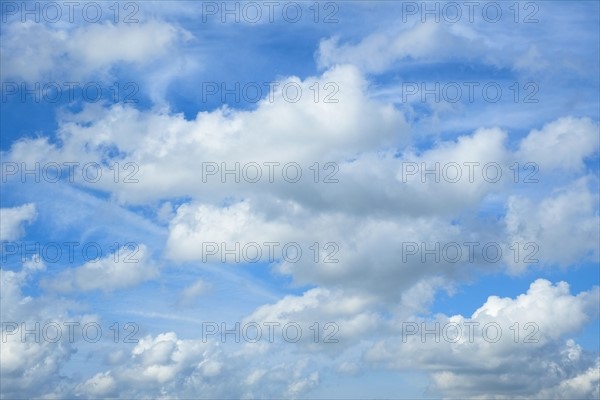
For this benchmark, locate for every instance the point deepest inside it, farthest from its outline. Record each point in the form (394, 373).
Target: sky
(311, 199)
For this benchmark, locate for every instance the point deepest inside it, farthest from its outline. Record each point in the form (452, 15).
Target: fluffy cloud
(502, 364)
(242, 232)
(379, 51)
(586, 384)
(424, 37)
(174, 157)
(101, 384)
(564, 226)
(126, 267)
(562, 144)
(405, 209)
(364, 220)
(350, 317)
(164, 366)
(12, 220)
(31, 48)
(30, 363)
(171, 151)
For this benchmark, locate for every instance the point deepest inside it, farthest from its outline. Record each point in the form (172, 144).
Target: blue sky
(131, 181)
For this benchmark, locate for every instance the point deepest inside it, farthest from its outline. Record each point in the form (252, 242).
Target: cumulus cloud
(101, 384)
(324, 249)
(12, 219)
(585, 384)
(562, 144)
(32, 48)
(126, 267)
(564, 226)
(171, 151)
(168, 365)
(508, 358)
(32, 354)
(409, 206)
(355, 271)
(343, 318)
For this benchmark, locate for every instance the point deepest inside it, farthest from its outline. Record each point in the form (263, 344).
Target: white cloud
(352, 317)
(379, 51)
(192, 292)
(32, 354)
(12, 219)
(170, 150)
(86, 52)
(485, 365)
(127, 267)
(388, 44)
(564, 226)
(431, 42)
(195, 225)
(100, 385)
(584, 385)
(562, 144)
(370, 214)
(170, 366)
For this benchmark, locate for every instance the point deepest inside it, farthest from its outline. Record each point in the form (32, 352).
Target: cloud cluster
(517, 361)
(378, 208)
